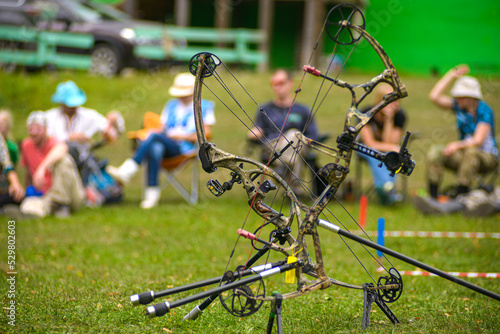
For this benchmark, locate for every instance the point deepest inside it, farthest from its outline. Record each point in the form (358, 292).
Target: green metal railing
(31, 47)
(239, 45)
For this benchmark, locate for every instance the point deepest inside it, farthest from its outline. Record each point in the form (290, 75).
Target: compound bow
(242, 292)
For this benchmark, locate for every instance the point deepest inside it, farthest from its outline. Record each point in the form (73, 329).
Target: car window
(83, 13)
(107, 12)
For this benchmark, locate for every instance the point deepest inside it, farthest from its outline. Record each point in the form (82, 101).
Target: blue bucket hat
(69, 94)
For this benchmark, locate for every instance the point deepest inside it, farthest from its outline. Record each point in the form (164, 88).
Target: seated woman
(11, 190)
(383, 133)
(178, 136)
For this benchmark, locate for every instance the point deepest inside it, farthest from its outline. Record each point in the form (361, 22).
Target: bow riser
(250, 181)
(200, 127)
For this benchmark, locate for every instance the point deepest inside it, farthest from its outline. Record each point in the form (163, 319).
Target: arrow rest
(217, 189)
(280, 234)
(267, 186)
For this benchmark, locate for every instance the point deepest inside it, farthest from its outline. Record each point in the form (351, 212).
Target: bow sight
(397, 162)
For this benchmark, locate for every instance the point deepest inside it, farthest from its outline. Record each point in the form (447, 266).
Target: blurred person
(475, 151)
(78, 127)
(53, 179)
(11, 190)
(383, 133)
(73, 123)
(5, 131)
(177, 136)
(280, 119)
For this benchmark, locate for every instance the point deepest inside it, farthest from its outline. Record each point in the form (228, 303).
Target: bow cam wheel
(241, 301)
(211, 62)
(339, 24)
(390, 295)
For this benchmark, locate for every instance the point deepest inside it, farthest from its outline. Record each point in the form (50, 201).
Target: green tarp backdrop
(429, 36)
(421, 36)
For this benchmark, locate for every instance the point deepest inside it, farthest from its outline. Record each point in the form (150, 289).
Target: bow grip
(206, 163)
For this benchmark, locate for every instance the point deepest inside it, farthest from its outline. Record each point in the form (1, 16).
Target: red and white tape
(456, 274)
(437, 234)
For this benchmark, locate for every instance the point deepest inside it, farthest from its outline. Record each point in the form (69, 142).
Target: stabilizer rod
(163, 308)
(148, 296)
(334, 228)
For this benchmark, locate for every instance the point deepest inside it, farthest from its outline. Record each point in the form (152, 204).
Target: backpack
(100, 187)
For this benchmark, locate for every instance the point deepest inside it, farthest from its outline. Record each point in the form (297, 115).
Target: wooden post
(314, 16)
(266, 12)
(223, 13)
(182, 10)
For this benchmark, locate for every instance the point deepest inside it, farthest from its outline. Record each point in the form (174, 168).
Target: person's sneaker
(33, 207)
(396, 198)
(151, 197)
(62, 211)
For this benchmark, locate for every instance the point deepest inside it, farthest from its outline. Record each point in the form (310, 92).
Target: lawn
(76, 275)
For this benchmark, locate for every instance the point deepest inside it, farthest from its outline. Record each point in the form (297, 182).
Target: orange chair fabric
(152, 122)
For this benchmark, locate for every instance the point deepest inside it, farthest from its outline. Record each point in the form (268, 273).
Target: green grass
(76, 275)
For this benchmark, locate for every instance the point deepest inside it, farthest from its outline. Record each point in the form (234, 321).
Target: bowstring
(264, 140)
(312, 114)
(229, 92)
(271, 157)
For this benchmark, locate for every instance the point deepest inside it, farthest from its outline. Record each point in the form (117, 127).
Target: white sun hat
(36, 117)
(467, 86)
(183, 85)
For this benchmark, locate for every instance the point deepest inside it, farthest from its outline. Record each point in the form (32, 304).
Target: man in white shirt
(74, 123)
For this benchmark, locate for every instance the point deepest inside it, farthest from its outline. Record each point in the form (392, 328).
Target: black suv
(117, 37)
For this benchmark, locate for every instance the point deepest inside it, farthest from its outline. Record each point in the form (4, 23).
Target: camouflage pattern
(253, 172)
(468, 163)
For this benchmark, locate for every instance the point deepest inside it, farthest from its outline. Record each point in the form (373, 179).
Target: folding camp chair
(171, 167)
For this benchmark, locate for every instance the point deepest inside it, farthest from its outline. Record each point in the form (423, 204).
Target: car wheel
(105, 60)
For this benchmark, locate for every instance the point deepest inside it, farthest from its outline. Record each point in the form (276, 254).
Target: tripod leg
(383, 306)
(367, 305)
(275, 313)
(272, 315)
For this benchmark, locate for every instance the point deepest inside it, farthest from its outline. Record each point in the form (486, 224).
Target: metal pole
(334, 228)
